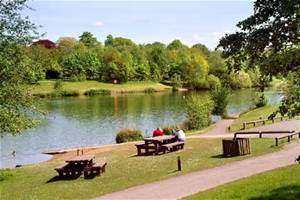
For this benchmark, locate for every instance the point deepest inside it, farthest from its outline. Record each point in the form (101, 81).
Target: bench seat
(172, 146)
(95, 169)
(142, 146)
(67, 170)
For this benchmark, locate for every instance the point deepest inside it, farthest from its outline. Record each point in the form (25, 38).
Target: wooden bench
(142, 146)
(66, 170)
(289, 137)
(95, 169)
(172, 146)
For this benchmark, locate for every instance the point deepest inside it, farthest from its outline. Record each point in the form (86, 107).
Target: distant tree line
(120, 60)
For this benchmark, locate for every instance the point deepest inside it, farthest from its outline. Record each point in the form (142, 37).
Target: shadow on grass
(290, 192)
(58, 178)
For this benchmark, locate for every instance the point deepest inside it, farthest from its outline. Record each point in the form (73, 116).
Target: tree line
(120, 60)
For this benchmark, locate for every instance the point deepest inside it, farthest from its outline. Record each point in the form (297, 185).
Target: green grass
(124, 170)
(47, 87)
(252, 115)
(283, 184)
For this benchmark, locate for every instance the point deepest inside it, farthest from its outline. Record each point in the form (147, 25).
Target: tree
(268, 39)
(88, 39)
(202, 48)
(16, 104)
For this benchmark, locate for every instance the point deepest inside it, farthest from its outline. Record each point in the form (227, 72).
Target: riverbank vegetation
(253, 115)
(88, 87)
(280, 183)
(124, 168)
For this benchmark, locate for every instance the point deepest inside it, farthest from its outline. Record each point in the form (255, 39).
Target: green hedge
(128, 135)
(94, 92)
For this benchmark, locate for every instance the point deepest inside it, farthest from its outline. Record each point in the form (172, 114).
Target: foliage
(199, 111)
(94, 92)
(6, 174)
(240, 80)
(149, 90)
(16, 104)
(213, 81)
(202, 48)
(220, 97)
(268, 39)
(128, 135)
(260, 100)
(290, 104)
(58, 85)
(88, 39)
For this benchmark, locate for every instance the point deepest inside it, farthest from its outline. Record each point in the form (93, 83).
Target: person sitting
(157, 132)
(180, 135)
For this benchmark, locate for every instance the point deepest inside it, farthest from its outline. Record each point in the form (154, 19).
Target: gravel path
(191, 183)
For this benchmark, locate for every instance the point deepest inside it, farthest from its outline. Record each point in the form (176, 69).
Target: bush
(220, 98)
(260, 100)
(58, 85)
(94, 92)
(213, 81)
(5, 174)
(128, 135)
(199, 111)
(149, 90)
(64, 93)
(240, 80)
(201, 84)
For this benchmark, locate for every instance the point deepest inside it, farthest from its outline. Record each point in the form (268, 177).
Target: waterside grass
(124, 170)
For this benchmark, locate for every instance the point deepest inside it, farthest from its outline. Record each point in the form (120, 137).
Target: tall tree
(270, 40)
(88, 39)
(16, 105)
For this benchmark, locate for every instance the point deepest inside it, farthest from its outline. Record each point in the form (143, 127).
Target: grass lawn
(283, 184)
(124, 170)
(45, 87)
(252, 115)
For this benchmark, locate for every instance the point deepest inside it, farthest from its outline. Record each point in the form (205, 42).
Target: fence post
(178, 163)
(81, 151)
(276, 141)
(260, 134)
(77, 152)
(244, 125)
(289, 138)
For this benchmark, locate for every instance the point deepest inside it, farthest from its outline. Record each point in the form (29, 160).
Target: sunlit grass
(124, 170)
(281, 183)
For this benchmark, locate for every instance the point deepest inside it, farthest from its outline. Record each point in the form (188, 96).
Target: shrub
(260, 100)
(220, 98)
(64, 93)
(199, 111)
(149, 90)
(199, 84)
(94, 92)
(58, 85)
(213, 81)
(240, 80)
(128, 135)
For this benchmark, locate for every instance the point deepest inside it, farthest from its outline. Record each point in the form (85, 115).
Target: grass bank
(252, 115)
(124, 170)
(281, 183)
(47, 87)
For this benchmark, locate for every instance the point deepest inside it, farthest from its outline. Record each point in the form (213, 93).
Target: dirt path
(185, 185)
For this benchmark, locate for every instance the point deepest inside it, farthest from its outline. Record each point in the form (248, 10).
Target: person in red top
(157, 132)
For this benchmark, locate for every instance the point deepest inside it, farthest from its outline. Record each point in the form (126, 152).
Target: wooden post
(260, 134)
(244, 125)
(273, 120)
(77, 152)
(178, 163)
(81, 151)
(289, 138)
(276, 141)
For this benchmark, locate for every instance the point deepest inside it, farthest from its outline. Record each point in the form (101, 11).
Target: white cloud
(99, 23)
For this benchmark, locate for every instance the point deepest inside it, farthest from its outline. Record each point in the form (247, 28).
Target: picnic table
(157, 141)
(82, 161)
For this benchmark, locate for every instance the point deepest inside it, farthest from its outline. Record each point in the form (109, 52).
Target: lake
(94, 121)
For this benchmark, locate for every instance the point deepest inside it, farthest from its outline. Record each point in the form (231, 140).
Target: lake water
(94, 121)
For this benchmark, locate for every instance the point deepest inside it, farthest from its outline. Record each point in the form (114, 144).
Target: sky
(142, 21)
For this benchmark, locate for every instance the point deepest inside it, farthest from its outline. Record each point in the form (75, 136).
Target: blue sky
(142, 21)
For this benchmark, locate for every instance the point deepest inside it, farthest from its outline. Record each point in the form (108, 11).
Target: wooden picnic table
(157, 141)
(83, 160)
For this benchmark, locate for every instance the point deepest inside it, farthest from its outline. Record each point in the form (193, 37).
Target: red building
(46, 43)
